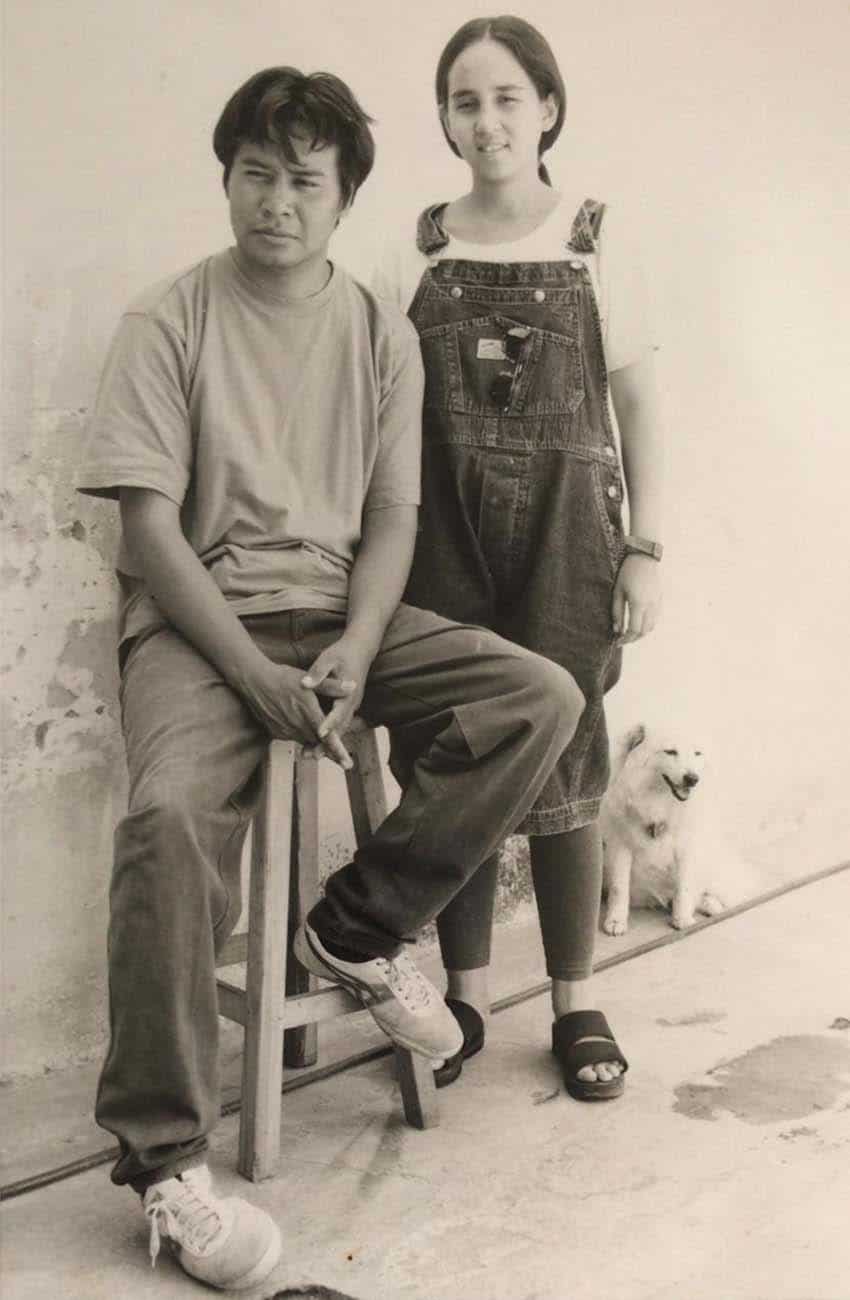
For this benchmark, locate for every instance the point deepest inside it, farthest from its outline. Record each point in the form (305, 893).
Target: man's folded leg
(482, 722)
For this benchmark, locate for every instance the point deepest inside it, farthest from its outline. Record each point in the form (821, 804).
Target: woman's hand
(636, 604)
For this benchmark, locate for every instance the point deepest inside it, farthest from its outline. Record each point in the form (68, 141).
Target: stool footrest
(301, 1009)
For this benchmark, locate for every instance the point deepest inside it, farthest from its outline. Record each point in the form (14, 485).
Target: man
(258, 419)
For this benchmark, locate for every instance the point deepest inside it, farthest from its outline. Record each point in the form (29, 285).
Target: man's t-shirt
(272, 423)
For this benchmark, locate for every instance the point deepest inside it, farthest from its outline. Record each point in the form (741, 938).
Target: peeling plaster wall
(721, 125)
(63, 770)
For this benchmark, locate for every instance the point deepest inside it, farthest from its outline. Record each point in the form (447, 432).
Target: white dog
(660, 849)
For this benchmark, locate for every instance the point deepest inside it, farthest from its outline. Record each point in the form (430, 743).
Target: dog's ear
(636, 736)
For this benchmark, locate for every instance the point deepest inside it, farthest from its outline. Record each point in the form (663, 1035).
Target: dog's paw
(615, 924)
(710, 905)
(681, 920)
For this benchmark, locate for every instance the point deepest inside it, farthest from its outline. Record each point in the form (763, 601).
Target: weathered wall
(723, 127)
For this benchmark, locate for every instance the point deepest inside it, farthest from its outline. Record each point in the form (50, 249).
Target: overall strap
(430, 235)
(586, 226)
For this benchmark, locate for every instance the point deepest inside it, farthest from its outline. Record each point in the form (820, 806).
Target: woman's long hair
(531, 51)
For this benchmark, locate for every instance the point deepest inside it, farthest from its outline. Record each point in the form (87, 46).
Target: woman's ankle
(571, 995)
(471, 987)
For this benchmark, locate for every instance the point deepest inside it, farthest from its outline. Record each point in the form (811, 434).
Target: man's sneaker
(228, 1244)
(402, 1001)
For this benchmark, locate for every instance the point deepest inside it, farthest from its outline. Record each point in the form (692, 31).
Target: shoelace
(186, 1215)
(407, 982)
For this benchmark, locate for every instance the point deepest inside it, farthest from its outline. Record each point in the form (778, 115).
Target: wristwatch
(640, 546)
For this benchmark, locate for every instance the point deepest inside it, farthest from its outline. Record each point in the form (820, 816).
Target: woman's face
(493, 113)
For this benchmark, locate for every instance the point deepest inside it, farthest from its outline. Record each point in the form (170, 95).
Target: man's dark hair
(278, 103)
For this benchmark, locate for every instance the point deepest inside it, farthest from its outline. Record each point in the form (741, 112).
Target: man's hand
(638, 592)
(340, 672)
(192, 602)
(290, 710)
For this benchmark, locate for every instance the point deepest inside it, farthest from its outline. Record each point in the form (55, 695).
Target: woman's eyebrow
(458, 94)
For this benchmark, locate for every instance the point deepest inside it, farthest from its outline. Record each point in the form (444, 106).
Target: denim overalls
(520, 527)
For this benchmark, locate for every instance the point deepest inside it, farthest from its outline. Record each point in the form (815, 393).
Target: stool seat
(281, 1004)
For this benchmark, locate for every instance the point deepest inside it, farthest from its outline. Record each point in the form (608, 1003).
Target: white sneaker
(228, 1244)
(402, 1001)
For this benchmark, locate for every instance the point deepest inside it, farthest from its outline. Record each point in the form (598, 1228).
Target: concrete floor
(722, 1174)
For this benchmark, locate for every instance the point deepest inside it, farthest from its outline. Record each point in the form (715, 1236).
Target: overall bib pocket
(501, 365)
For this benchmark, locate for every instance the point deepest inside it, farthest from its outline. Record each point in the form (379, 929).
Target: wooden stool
(281, 1003)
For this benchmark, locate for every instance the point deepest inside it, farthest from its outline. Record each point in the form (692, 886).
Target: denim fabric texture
(520, 527)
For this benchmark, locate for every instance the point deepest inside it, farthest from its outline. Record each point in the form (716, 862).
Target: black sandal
(583, 1038)
(473, 1040)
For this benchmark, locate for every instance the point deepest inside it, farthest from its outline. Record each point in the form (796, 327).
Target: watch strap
(641, 546)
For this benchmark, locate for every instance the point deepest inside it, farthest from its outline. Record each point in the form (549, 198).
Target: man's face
(283, 214)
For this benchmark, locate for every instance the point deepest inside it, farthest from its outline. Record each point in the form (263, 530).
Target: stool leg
(300, 1046)
(368, 801)
(262, 1067)
(418, 1093)
(365, 782)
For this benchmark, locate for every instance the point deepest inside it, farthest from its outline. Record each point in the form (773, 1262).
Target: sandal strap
(601, 1045)
(469, 1020)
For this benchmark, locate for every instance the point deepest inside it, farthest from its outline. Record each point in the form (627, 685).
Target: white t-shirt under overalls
(615, 270)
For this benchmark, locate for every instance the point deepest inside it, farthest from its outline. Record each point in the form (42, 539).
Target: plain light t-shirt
(272, 423)
(615, 271)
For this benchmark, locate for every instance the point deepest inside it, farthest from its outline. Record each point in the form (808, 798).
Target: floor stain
(695, 1018)
(801, 1131)
(786, 1079)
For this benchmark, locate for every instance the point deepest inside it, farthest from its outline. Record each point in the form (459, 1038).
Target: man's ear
(550, 112)
(344, 211)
